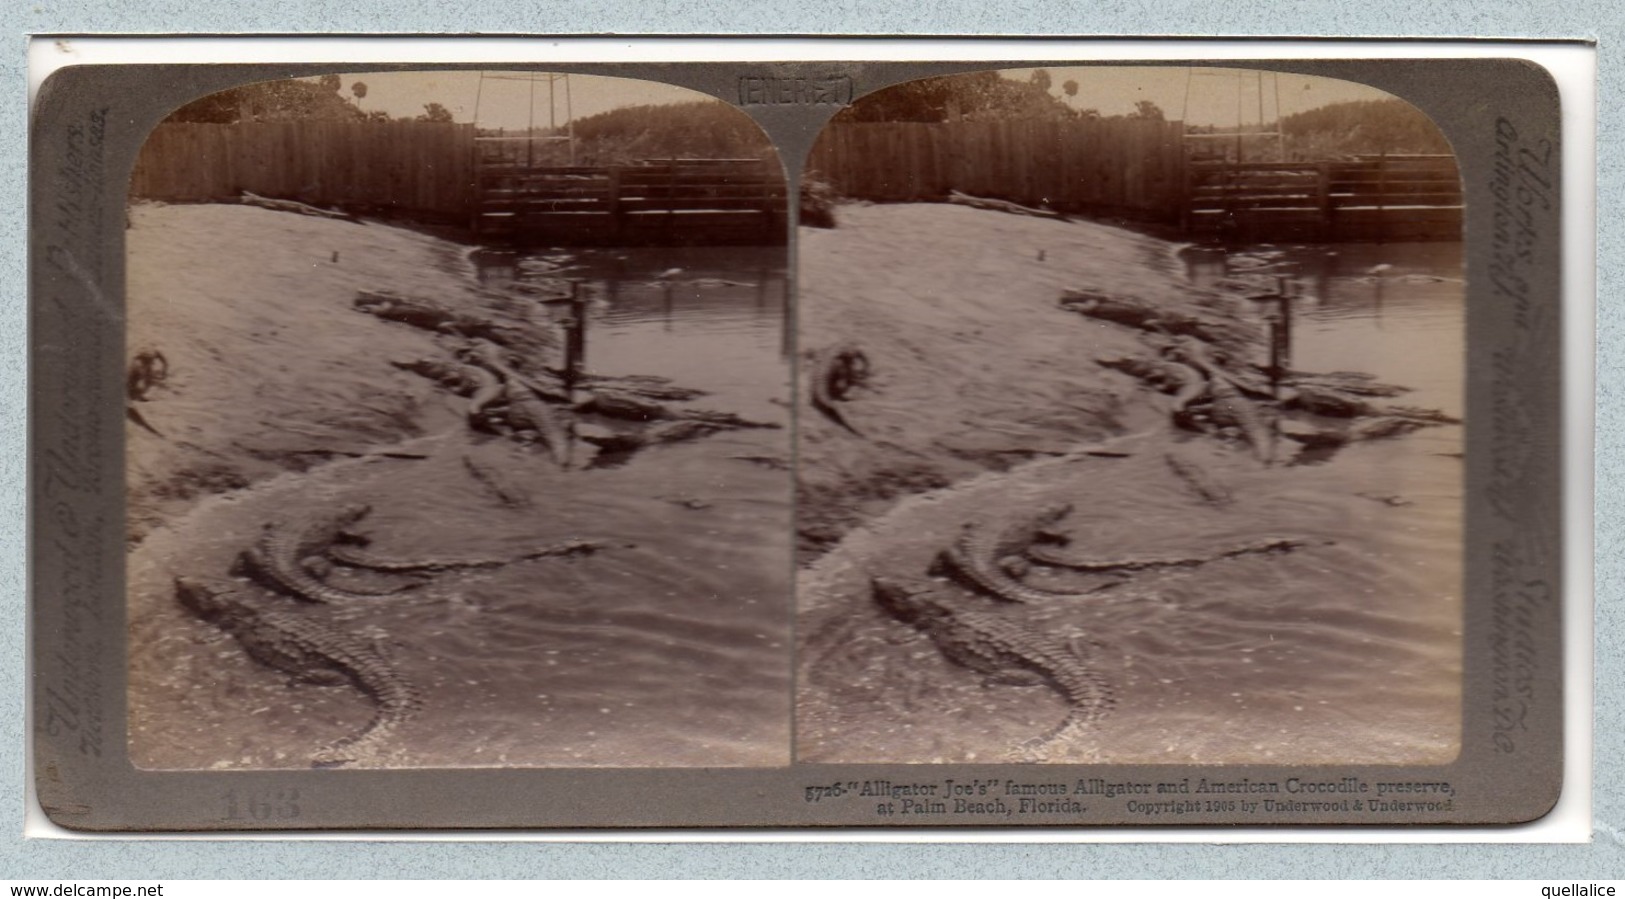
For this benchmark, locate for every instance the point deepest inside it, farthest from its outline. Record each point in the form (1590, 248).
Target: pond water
(1394, 310)
(667, 647)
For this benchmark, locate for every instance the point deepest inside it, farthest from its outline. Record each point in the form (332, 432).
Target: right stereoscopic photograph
(1130, 423)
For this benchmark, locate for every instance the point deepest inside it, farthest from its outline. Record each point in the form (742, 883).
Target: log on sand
(964, 199)
(253, 199)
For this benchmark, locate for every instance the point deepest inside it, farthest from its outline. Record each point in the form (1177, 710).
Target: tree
(1070, 88)
(271, 101)
(1147, 110)
(1362, 126)
(434, 112)
(974, 95)
(697, 129)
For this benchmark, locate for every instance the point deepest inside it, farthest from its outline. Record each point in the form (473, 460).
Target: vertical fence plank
(421, 167)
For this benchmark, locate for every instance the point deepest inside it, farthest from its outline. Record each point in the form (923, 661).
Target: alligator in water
(623, 405)
(283, 556)
(1005, 650)
(979, 557)
(835, 372)
(535, 422)
(1050, 555)
(309, 650)
(355, 554)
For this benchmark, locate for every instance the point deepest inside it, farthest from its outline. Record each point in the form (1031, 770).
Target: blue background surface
(1604, 857)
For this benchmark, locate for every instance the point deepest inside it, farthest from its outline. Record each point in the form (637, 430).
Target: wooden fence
(423, 169)
(432, 171)
(1133, 168)
(1375, 198)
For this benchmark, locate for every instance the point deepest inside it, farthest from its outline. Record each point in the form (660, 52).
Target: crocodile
(835, 372)
(311, 651)
(1005, 650)
(284, 554)
(356, 555)
(979, 556)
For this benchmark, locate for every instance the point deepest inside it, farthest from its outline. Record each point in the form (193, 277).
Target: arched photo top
(1239, 155)
(503, 152)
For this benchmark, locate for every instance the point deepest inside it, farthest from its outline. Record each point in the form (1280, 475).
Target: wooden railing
(658, 201)
(1386, 198)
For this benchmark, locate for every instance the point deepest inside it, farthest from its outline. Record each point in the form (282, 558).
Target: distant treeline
(979, 97)
(701, 129)
(1362, 127)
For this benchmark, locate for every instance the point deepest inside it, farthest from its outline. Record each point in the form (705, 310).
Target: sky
(1199, 96)
(504, 99)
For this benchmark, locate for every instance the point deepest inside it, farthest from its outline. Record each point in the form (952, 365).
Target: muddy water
(1397, 310)
(1345, 650)
(668, 647)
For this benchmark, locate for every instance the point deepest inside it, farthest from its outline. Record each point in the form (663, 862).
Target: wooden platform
(665, 202)
(1383, 198)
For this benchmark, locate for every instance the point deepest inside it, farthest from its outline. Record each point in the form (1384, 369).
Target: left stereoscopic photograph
(457, 427)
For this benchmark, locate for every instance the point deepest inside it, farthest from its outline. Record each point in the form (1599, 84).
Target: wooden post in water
(575, 339)
(574, 324)
(1281, 334)
(1323, 196)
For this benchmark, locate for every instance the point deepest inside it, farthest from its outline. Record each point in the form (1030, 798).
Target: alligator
(285, 553)
(495, 360)
(481, 386)
(1050, 555)
(355, 554)
(534, 421)
(622, 405)
(432, 317)
(310, 651)
(616, 448)
(981, 557)
(619, 404)
(451, 376)
(651, 387)
(1230, 407)
(1006, 651)
(1197, 478)
(835, 372)
(487, 389)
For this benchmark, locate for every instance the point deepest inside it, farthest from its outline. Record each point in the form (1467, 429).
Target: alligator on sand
(309, 650)
(1007, 651)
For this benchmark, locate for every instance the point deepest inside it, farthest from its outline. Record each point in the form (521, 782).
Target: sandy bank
(235, 298)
